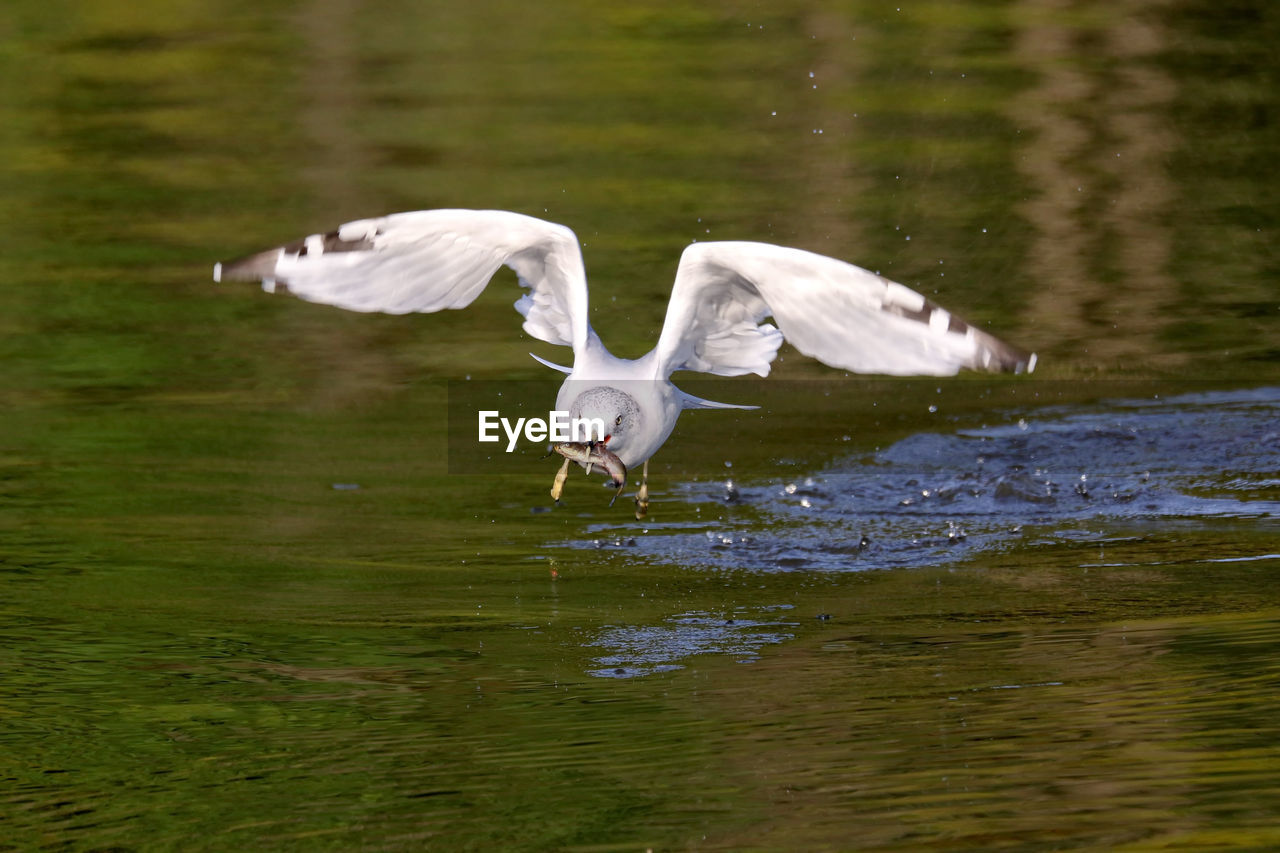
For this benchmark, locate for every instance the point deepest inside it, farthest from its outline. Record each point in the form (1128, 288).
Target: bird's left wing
(429, 260)
(838, 313)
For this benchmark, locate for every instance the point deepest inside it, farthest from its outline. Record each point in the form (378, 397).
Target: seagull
(844, 316)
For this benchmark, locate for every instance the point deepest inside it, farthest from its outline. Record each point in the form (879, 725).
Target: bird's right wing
(429, 260)
(840, 314)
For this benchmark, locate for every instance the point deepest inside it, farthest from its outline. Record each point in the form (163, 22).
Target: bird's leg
(557, 488)
(642, 495)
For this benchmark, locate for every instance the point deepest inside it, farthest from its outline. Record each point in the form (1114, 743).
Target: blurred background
(1090, 180)
(243, 600)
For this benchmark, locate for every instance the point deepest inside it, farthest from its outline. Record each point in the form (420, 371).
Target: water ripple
(643, 649)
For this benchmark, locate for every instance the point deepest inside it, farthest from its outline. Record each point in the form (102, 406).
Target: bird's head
(617, 411)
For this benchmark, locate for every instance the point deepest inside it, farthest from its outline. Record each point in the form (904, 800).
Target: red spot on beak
(606, 438)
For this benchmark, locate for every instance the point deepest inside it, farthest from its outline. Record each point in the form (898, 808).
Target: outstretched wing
(838, 313)
(429, 260)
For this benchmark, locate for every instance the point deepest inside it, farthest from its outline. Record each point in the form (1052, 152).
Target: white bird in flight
(840, 314)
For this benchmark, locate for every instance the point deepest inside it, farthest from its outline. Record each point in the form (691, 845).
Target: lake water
(251, 597)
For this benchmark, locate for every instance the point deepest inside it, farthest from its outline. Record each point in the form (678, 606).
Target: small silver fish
(589, 454)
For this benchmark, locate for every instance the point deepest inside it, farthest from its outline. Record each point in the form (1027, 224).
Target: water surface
(245, 602)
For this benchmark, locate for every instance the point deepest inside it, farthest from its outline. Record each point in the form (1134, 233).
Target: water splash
(1050, 475)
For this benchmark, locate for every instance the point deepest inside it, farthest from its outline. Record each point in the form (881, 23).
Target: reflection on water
(1100, 185)
(1040, 736)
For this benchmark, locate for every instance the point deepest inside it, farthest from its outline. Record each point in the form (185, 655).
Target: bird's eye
(617, 421)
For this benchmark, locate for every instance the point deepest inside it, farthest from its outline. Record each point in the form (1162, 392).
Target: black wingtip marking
(330, 242)
(921, 316)
(994, 355)
(253, 268)
(1003, 358)
(261, 266)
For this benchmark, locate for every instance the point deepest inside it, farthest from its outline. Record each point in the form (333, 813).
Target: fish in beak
(590, 455)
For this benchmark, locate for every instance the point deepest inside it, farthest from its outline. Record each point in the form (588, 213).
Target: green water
(245, 604)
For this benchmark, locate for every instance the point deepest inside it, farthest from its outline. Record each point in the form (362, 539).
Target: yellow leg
(642, 496)
(557, 488)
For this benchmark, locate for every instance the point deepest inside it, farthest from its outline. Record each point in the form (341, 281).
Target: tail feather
(689, 401)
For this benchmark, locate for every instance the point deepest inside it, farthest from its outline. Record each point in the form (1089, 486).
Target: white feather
(430, 260)
(838, 313)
